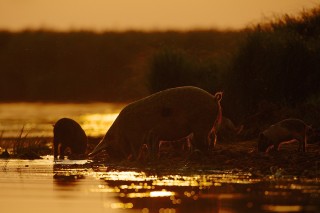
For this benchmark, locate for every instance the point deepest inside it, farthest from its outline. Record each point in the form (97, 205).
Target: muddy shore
(241, 156)
(237, 155)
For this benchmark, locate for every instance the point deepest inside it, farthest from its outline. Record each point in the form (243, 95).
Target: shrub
(172, 68)
(279, 62)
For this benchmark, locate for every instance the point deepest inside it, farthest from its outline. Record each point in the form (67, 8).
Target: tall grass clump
(19, 144)
(170, 67)
(279, 63)
(28, 148)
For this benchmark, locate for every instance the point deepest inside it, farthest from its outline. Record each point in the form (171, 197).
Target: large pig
(288, 130)
(68, 133)
(168, 115)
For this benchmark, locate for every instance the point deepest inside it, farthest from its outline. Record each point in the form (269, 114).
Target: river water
(46, 185)
(37, 119)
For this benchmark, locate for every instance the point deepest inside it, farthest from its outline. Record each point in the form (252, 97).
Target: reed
(25, 147)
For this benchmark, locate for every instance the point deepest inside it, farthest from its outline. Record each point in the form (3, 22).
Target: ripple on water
(79, 181)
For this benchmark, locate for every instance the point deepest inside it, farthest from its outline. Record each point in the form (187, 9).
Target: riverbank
(241, 156)
(238, 156)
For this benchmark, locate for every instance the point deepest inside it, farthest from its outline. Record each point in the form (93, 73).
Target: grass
(23, 147)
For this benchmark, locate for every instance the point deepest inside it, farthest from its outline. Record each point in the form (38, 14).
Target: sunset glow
(141, 14)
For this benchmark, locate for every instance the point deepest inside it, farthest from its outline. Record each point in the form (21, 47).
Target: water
(37, 118)
(48, 186)
(80, 186)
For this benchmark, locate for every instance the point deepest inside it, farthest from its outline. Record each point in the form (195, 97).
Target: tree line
(87, 66)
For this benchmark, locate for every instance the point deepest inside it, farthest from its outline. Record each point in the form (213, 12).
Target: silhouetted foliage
(278, 63)
(172, 68)
(88, 66)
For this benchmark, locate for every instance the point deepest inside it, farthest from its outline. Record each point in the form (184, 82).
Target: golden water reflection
(215, 191)
(97, 124)
(274, 208)
(98, 188)
(37, 118)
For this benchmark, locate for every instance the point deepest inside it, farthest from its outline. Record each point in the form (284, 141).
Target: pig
(285, 131)
(168, 115)
(68, 134)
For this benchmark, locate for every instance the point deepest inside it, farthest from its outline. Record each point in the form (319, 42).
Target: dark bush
(172, 68)
(278, 63)
(87, 66)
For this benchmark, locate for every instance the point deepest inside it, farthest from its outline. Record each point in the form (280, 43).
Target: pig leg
(62, 150)
(276, 146)
(152, 141)
(187, 146)
(200, 141)
(302, 143)
(212, 139)
(143, 153)
(56, 146)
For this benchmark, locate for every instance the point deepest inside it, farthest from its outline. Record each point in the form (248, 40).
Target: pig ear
(218, 96)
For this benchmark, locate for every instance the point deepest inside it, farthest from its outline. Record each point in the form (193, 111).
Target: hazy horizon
(121, 15)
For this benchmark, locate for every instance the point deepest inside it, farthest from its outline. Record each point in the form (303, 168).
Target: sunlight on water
(139, 185)
(82, 188)
(169, 193)
(125, 176)
(97, 124)
(37, 119)
(120, 205)
(162, 193)
(273, 208)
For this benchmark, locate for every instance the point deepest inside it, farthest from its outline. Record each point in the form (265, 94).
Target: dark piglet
(67, 133)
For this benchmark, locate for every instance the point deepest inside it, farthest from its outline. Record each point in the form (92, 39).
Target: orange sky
(142, 14)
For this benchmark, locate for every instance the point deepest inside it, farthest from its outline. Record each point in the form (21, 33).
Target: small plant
(27, 148)
(19, 143)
